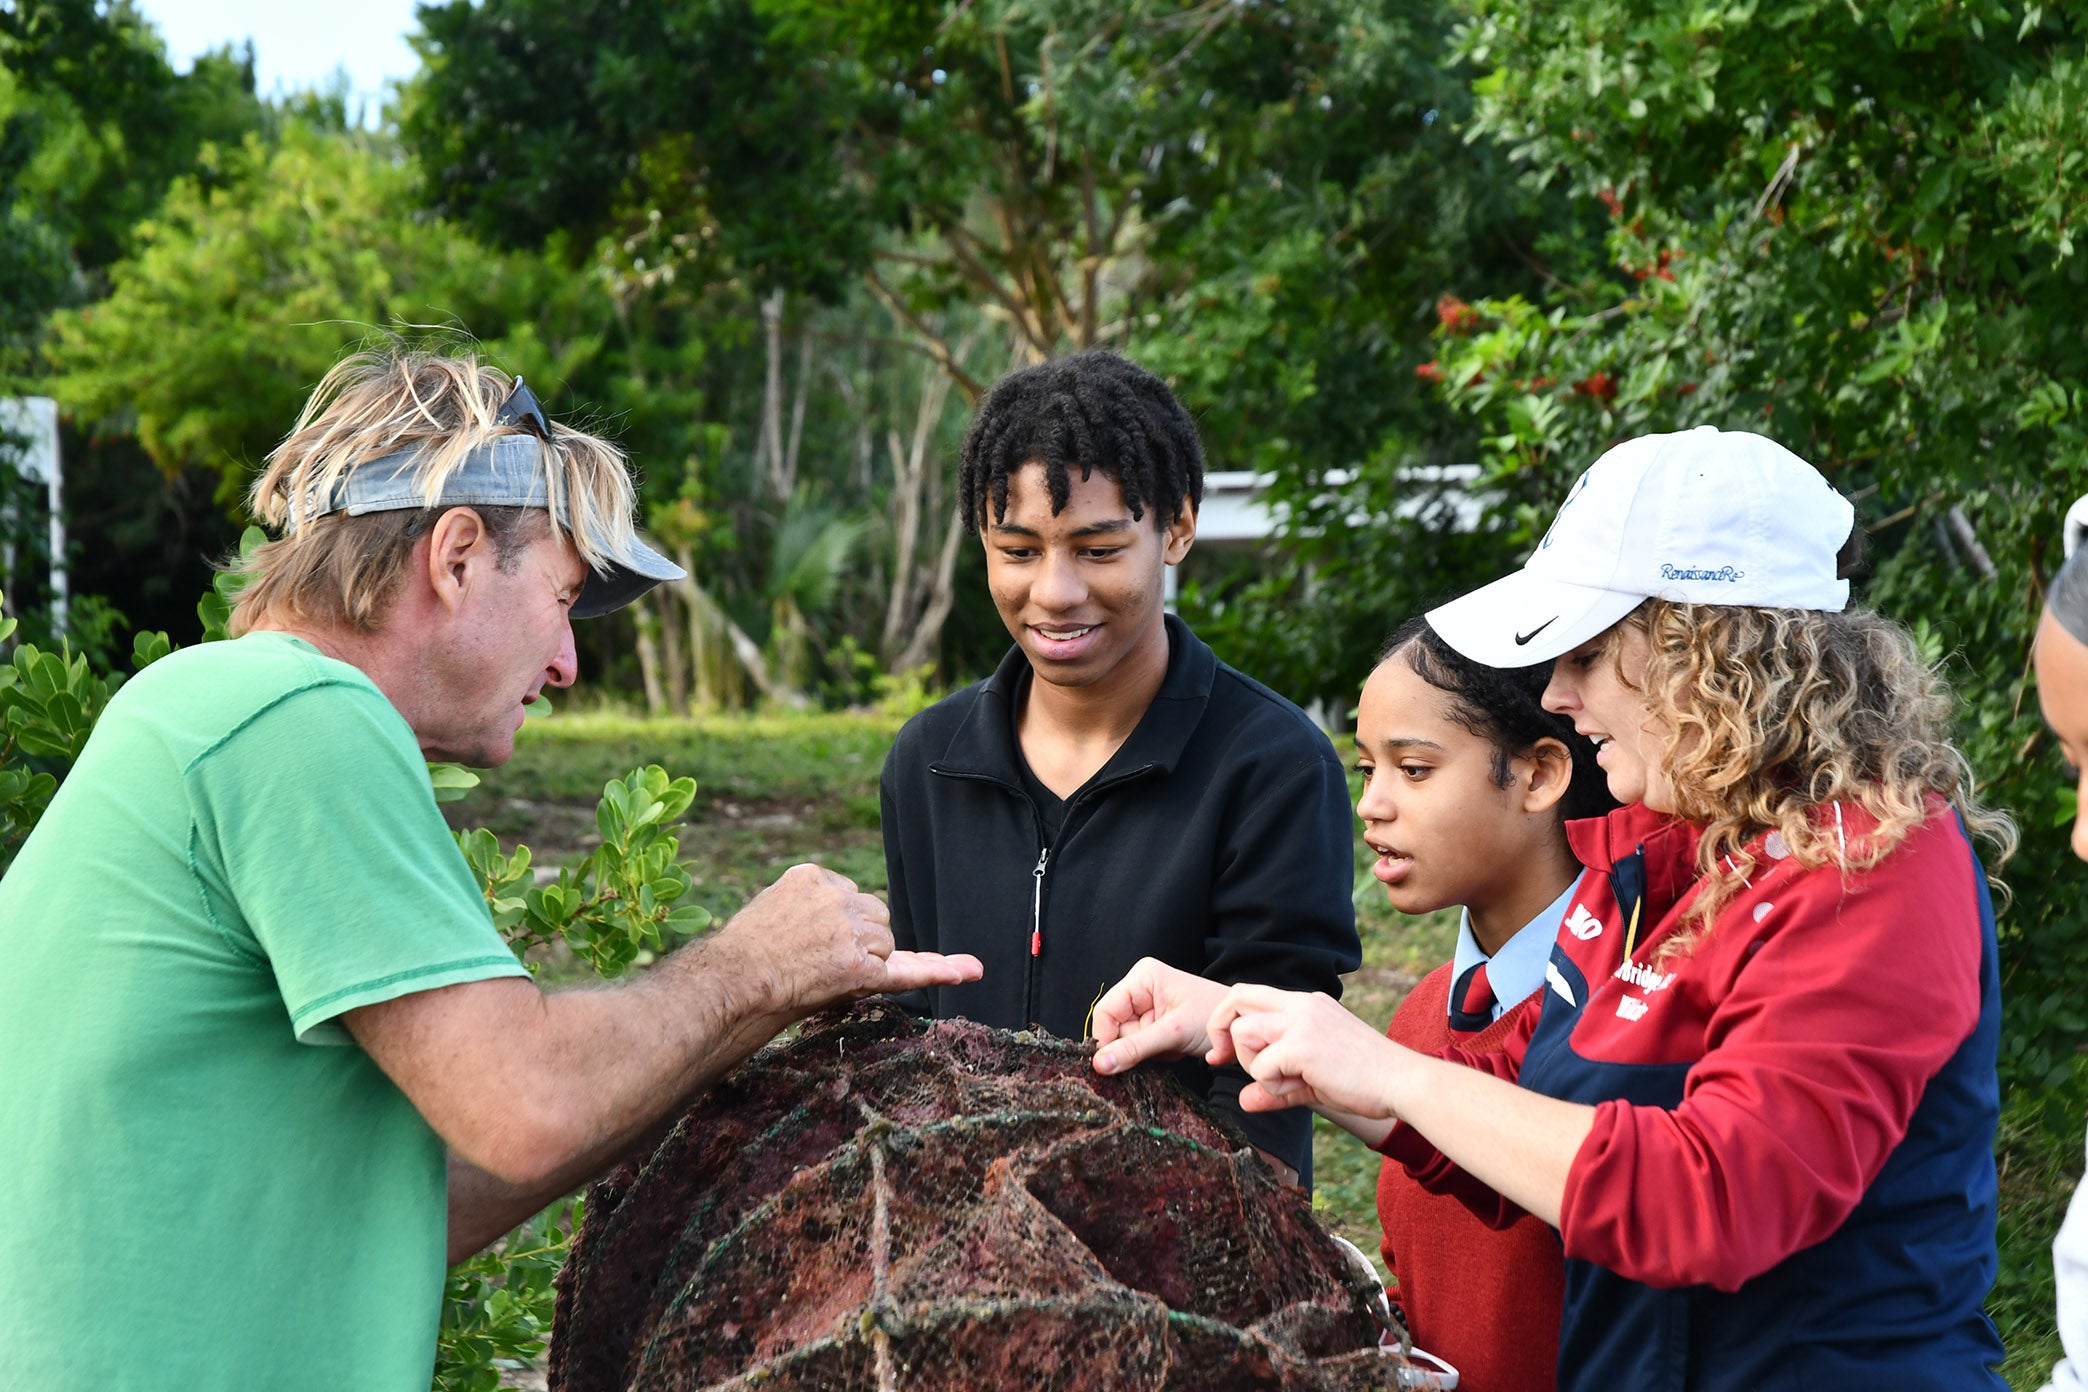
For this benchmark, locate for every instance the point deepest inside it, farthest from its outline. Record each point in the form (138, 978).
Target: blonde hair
(1774, 714)
(338, 569)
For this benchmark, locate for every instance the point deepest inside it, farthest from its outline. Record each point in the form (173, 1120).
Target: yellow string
(1087, 1026)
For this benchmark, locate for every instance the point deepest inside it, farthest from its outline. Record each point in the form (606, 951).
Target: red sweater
(1484, 1300)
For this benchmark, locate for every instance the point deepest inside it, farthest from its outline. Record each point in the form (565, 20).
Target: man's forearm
(617, 1060)
(542, 1091)
(483, 1208)
(654, 1044)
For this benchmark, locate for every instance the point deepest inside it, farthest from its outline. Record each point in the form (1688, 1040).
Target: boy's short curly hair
(1096, 411)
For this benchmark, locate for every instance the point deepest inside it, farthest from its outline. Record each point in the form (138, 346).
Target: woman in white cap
(2061, 656)
(1760, 1099)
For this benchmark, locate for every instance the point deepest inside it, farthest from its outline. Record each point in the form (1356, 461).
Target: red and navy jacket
(1790, 1179)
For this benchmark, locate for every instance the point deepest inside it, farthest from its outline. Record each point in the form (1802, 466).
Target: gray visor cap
(507, 471)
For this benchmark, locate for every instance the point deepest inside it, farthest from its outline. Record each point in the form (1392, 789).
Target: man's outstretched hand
(817, 940)
(912, 971)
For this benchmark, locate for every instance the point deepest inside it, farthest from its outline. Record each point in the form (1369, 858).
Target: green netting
(884, 1205)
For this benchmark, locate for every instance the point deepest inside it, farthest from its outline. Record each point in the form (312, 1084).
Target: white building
(29, 444)
(1236, 514)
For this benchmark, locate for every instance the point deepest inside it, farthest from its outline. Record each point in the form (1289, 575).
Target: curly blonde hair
(1774, 713)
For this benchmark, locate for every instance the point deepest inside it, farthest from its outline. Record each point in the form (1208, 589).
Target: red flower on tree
(1599, 385)
(1455, 316)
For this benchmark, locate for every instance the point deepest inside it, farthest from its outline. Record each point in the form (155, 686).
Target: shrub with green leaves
(622, 901)
(496, 1306)
(48, 703)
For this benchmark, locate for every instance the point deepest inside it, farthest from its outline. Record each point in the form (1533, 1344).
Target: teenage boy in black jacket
(1113, 791)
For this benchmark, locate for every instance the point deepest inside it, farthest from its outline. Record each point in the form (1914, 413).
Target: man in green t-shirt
(264, 1061)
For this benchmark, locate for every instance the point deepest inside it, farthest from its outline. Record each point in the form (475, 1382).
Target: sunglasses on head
(523, 409)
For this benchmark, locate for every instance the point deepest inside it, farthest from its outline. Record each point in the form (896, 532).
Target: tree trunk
(906, 498)
(801, 392)
(745, 650)
(941, 595)
(646, 612)
(768, 440)
(671, 659)
(914, 483)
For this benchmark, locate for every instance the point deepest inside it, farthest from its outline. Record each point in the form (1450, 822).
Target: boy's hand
(1156, 1012)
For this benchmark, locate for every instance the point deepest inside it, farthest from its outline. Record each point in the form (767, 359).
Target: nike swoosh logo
(1523, 638)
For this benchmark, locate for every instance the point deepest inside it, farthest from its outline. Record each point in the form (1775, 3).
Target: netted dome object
(890, 1206)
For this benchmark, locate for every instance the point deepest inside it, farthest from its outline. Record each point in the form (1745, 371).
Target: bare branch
(1961, 526)
(1091, 264)
(931, 341)
(1215, 15)
(1780, 181)
(964, 248)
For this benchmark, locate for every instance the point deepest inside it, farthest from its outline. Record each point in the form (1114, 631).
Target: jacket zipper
(1037, 904)
(1029, 966)
(1031, 976)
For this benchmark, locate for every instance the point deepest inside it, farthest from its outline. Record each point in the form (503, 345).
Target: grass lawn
(775, 790)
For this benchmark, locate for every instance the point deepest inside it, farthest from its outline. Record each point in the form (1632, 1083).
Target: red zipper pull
(1037, 903)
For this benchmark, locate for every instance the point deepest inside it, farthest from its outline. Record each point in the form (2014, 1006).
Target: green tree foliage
(1040, 158)
(1852, 229)
(48, 704)
(94, 125)
(535, 119)
(246, 290)
(1261, 200)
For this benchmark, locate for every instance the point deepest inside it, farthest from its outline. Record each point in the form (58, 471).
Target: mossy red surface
(884, 1204)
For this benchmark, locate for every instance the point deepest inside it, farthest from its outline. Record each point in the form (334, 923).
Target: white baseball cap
(2076, 526)
(1703, 516)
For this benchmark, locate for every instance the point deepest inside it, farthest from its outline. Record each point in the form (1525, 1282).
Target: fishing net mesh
(884, 1204)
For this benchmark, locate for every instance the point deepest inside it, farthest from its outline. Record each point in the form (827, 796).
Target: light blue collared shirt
(1518, 968)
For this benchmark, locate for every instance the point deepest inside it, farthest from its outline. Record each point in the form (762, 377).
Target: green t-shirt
(210, 1185)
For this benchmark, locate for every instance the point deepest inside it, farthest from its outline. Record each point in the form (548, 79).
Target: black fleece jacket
(1216, 839)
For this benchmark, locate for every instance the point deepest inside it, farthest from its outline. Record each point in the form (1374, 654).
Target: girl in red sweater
(1467, 780)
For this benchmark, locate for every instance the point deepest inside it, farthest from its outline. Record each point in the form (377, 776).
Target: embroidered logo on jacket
(1644, 977)
(1582, 924)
